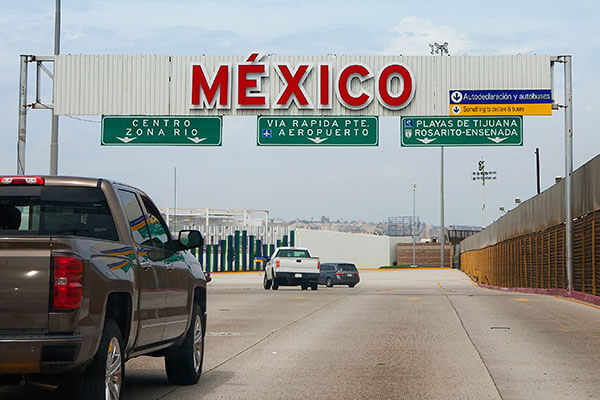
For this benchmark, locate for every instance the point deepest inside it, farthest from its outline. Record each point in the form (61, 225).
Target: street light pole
(54, 131)
(412, 230)
(441, 49)
(483, 175)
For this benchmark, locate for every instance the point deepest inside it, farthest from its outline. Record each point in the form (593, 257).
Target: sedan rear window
(56, 210)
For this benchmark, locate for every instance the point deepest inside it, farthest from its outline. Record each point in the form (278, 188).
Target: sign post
(461, 131)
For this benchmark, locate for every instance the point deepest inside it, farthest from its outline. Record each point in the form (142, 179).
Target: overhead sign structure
(500, 102)
(256, 84)
(157, 130)
(461, 131)
(317, 131)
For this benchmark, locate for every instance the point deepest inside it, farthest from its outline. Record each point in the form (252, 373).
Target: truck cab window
(135, 217)
(159, 233)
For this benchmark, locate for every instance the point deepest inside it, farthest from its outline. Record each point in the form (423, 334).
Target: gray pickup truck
(89, 278)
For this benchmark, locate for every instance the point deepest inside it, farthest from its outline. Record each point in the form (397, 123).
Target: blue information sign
(500, 102)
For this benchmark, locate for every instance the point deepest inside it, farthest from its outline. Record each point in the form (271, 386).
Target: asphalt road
(413, 334)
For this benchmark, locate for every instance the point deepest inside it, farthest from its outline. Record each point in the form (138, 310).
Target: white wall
(363, 250)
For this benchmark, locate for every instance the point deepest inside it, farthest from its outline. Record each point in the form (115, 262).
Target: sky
(341, 183)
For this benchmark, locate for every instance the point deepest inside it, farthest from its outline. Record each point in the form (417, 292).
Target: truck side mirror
(190, 239)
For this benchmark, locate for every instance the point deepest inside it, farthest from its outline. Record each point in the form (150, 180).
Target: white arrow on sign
(497, 139)
(196, 139)
(457, 97)
(126, 139)
(426, 141)
(318, 140)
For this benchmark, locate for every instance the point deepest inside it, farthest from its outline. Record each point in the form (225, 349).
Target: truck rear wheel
(314, 285)
(103, 379)
(275, 283)
(266, 282)
(184, 362)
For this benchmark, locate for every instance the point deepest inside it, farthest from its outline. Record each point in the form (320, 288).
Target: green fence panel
(251, 253)
(230, 254)
(208, 264)
(215, 253)
(244, 250)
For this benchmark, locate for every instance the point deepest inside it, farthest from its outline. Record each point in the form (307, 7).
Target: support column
(22, 132)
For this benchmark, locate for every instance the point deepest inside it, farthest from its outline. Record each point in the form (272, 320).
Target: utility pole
(54, 132)
(174, 197)
(441, 49)
(537, 167)
(568, 106)
(412, 226)
(483, 175)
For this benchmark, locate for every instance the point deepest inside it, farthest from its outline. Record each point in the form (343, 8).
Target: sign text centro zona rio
(318, 131)
(355, 85)
(161, 130)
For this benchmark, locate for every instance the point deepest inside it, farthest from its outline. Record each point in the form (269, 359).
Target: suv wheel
(266, 282)
(103, 378)
(329, 282)
(184, 362)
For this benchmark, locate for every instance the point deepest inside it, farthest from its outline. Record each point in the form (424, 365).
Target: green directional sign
(461, 131)
(317, 131)
(156, 130)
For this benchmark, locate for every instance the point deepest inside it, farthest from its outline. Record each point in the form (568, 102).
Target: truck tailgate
(24, 283)
(307, 265)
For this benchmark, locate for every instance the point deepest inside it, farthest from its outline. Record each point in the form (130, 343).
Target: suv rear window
(55, 210)
(348, 267)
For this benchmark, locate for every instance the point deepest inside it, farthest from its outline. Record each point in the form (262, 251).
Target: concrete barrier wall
(363, 250)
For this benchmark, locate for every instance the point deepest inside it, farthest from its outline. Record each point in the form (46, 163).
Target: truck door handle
(145, 265)
(298, 260)
(169, 266)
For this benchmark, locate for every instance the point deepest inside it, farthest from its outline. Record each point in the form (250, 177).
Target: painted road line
(518, 299)
(447, 290)
(583, 303)
(404, 269)
(414, 298)
(236, 272)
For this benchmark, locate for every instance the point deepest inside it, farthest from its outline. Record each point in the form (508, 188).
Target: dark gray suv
(338, 274)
